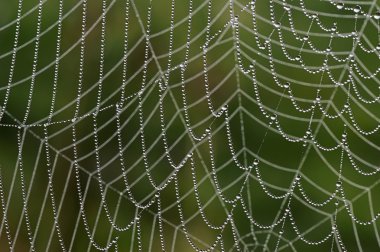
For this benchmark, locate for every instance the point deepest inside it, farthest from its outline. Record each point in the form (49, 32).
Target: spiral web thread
(234, 126)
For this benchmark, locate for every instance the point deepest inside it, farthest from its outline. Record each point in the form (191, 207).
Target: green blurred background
(252, 138)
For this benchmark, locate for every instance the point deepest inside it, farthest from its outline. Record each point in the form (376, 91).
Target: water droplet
(377, 15)
(357, 9)
(340, 6)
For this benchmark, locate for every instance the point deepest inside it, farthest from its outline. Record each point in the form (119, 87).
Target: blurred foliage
(252, 137)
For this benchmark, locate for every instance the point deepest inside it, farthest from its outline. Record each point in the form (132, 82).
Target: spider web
(189, 125)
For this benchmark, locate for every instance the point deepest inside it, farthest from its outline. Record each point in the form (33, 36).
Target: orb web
(193, 125)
